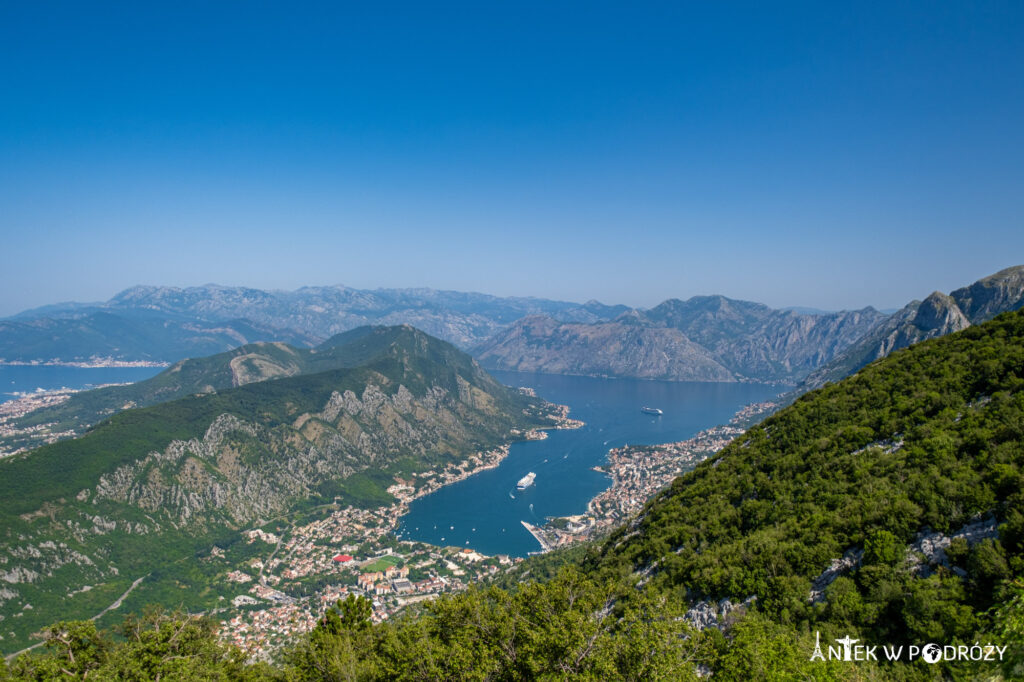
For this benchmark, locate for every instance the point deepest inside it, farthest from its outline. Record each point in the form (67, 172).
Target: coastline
(28, 402)
(92, 363)
(351, 530)
(488, 459)
(637, 473)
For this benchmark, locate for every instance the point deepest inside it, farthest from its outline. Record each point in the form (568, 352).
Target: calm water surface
(15, 379)
(485, 510)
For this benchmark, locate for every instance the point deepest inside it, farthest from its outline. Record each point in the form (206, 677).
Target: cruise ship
(526, 481)
(651, 410)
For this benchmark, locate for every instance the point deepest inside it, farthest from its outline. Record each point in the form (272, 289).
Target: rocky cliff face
(239, 471)
(939, 314)
(617, 349)
(709, 338)
(992, 295)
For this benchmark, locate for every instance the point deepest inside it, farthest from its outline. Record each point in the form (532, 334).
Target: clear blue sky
(819, 154)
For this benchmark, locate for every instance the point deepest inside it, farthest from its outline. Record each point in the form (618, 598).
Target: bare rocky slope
(706, 338)
(939, 314)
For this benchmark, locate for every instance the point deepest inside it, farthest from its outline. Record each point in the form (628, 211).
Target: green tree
(1008, 625)
(882, 547)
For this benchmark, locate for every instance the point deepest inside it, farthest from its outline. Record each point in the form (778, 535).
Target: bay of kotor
(485, 511)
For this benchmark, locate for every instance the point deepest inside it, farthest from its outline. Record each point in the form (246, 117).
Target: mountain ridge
(312, 313)
(937, 315)
(705, 338)
(255, 362)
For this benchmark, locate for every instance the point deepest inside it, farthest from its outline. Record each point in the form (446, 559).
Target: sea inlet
(484, 511)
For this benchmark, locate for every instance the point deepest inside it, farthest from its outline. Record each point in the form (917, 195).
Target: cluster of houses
(392, 579)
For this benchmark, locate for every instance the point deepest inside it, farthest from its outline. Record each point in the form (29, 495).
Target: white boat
(651, 410)
(526, 481)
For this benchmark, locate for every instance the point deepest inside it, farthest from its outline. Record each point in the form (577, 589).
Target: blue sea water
(485, 510)
(17, 379)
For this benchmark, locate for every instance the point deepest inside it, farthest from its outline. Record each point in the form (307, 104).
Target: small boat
(651, 410)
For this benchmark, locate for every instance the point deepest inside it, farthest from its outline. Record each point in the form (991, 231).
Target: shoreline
(99, 363)
(484, 460)
(347, 528)
(638, 473)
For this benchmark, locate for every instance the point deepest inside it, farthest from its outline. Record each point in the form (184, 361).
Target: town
(298, 571)
(637, 473)
(353, 551)
(28, 437)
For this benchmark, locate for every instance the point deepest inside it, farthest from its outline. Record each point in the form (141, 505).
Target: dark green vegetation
(930, 439)
(925, 444)
(156, 646)
(572, 627)
(150, 489)
(247, 364)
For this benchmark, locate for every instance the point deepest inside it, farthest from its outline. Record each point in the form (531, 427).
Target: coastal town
(637, 473)
(354, 551)
(21, 438)
(92, 363)
(298, 571)
(290, 571)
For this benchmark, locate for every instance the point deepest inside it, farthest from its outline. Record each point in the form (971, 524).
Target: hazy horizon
(783, 306)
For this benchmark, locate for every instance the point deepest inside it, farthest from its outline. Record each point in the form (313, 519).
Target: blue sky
(816, 154)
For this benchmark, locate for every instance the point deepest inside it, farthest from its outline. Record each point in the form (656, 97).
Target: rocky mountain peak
(992, 295)
(939, 315)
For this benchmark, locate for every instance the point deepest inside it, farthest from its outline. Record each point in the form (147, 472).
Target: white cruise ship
(526, 481)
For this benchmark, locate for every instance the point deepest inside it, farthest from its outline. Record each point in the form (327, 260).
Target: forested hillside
(142, 493)
(887, 508)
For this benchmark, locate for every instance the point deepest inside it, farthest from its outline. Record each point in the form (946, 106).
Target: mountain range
(884, 510)
(714, 338)
(704, 338)
(246, 364)
(168, 324)
(937, 315)
(227, 443)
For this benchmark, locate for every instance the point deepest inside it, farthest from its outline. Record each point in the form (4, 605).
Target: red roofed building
(343, 558)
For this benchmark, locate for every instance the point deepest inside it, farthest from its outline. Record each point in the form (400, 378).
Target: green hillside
(248, 364)
(907, 480)
(929, 440)
(151, 487)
